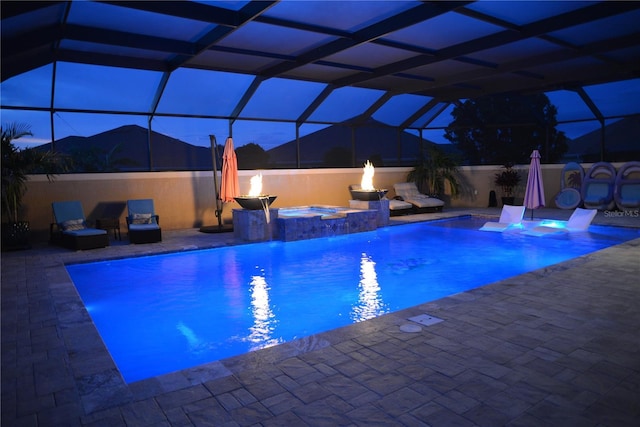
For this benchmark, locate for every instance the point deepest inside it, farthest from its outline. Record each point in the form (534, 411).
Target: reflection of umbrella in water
(534, 193)
(230, 167)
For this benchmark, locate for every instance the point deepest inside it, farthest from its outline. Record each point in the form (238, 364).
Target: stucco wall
(185, 199)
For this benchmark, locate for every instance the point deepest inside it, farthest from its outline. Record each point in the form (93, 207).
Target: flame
(367, 177)
(256, 186)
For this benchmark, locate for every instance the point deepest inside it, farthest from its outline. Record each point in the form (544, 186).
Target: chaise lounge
(579, 221)
(408, 192)
(70, 229)
(509, 217)
(143, 223)
(396, 207)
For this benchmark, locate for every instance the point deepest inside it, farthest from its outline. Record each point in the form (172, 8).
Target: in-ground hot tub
(325, 212)
(309, 222)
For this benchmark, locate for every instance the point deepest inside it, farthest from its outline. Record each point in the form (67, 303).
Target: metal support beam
(596, 112)
(535, 29)
(421, 112)
(372, 32)
(369, 112)
(315, 104)
(253, 87)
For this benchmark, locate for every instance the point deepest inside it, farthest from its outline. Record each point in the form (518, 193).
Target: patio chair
(408, 192)
(569, 196)
(627, 187)
(509, 217)
(598, 186)
(579, 221)
(70, 229)
(143, 224)
(396, 207)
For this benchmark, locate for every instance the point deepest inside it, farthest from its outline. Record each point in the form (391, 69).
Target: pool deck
(559, 346)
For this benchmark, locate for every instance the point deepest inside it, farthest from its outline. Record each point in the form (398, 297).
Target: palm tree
(17, 164)
(433, 171)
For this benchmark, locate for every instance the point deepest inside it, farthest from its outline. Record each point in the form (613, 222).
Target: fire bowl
(254, 202)
(368, 195)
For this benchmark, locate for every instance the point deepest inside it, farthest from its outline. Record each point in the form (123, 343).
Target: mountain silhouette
(374, 140)
(621, 139)
(126, 149)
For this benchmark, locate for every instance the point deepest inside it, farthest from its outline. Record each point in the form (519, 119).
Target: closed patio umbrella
(534, 193)
(229, 186)
(229, 177)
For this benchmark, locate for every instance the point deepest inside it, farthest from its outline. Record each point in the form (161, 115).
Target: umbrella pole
(214, 152)
(220, 228)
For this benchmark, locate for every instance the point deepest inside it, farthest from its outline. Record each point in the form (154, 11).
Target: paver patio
(557, 346)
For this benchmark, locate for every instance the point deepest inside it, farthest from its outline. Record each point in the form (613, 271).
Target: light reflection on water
(369, 304)
(265, 322)
(163, 313)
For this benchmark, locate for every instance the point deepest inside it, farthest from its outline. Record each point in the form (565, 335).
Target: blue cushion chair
(143, 224)
(71, 229)
(627, 188)
(598, 186)
(569, 196)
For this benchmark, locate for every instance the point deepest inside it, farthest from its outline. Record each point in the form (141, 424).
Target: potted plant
(16, 164)
(435, 168)
(507, 180)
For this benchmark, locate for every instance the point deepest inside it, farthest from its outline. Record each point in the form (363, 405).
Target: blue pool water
(163, 313)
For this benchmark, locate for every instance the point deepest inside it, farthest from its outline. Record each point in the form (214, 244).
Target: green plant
(17, 164)
(435, 168)
(508, 179)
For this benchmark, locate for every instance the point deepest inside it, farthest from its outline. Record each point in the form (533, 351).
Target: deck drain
(410, 327)
(425, 319)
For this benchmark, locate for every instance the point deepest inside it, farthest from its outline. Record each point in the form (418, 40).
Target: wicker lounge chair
(143, 223)
(71, 230)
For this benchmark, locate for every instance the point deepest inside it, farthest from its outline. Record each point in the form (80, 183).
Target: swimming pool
(162, 313)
